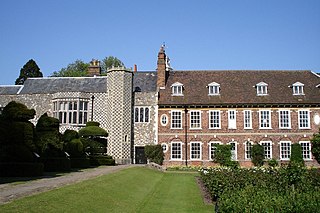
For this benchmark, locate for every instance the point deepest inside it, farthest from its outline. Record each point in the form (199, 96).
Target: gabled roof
(238, 87)
(9, 90)
(146, 81)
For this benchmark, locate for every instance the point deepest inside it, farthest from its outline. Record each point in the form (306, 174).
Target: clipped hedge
(14, 169)
(80, 162)
(154, 153)
(57, 164)
(102, 160)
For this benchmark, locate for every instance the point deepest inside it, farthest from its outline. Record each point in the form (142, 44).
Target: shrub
(222, 155)
(92, 131)
(273, 162)
(74, 148)
(102, 160)
(257, 155)
(57, 164)
(16, 153)
(296, 154)
(315, 141)
(16, 169)
(92, 123)
(154, 153)
(68, 135)
(80, 162)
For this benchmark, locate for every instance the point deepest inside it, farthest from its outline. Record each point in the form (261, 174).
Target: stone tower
(119, 114)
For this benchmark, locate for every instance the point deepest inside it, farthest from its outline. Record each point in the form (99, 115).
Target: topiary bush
(21, 169)
(296, 155)
(257, 155)
(92, 123)
(154, 153)
(69, 135)
(222, 155)
(74, 148)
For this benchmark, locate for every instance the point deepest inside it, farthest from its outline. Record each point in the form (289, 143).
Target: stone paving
(12, 191)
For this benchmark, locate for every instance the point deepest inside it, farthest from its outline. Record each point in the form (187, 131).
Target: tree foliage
(75, 69)
(154, 153)
(296, 155)
(257, 155)
(315, 141)
(110, 61)
(30, 69)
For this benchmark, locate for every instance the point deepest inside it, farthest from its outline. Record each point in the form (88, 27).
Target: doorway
(140, 156)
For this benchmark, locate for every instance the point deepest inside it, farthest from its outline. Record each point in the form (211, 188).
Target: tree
(30, 69)
(111, 61)
(75, 69)
(315, 141)
(257, 155)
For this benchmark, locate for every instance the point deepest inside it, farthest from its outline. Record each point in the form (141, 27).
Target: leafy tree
(111, 61)
(154, 153)
(296, 155)
(75, 69)
(315, 141)
(30, 69)
(257, 155)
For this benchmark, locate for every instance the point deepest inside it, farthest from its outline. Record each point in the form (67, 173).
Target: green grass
(132, 190)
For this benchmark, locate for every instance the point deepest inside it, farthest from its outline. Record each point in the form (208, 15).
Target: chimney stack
(94, 68)
(161, 69)
(135, 68)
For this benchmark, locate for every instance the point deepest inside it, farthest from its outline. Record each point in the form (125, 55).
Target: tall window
(267, 147)
(265, 119)
(214, 119)
(195, 119)
(262, 88)
(284, 119)
(297, 88)
(176, 151)
(306, 150)
(71, 111)
(212, 148)
(195, 151)
(248, 150)
(177, 89)
(304, 119)
(285, 150)
(233, 150)
(176, 119)
(247, 119)
(141, 114)
(232, 122)
(214, 88)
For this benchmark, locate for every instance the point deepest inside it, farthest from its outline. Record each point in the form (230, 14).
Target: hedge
(102, 160)
(80, 162)
(14, 169)
(57, 164)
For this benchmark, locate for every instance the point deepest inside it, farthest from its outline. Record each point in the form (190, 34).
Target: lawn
(132, 190)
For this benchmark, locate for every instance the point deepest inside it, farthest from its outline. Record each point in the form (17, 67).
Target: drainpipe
(186, 133)
(92, 98)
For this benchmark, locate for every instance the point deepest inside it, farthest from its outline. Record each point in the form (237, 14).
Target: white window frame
(263, 119)
(192, 150)
(306, 125)
(297, 88)
(306, 150)
(234, 153)
(214, 119)
(140, 113)
(195, 119)
(267, 152)
(214, 89)
(262, 89)
(164, 147)
(282, 119)
(173, 114)
(283, 154)
(212, 148)
(164, 116)
(248, 150)
(171, 151)
(232, 119)
(247, 119)
(177, 89)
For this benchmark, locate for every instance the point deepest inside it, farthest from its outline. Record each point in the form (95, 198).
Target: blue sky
(199, 35)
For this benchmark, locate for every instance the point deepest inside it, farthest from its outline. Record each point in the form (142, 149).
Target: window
(233, 150)
(141, 114)
(195, 119)
(285, 150)
(306, 150)
(214, 119)
(265, 119)
(297, 88)
(195, 151)
(176, 148)
(214, 88)
(177, 89)
(248, 150)
(247, 119)
(232, 122)
(267, 147)
(212, 148)
(304, 119)
(71, 111)
(164, 120)
(164, 147)
(262, 88)
(284, 119)
(176, 119)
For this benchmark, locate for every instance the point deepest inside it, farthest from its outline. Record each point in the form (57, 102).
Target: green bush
(16, 169)
(16, 153)
(222, 155)
(92, 131)
(102, 160)
(57, 164)
(92, 123)
(257, 155)
(74, 148)
(315, 142)
(15, 111)
(69, 135)
(273, 162)
(296, 154)
(154, 153)
(80, 162)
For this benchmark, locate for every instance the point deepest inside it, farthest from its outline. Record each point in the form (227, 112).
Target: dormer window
(214, 88)
(177, 89)
(297, 88)
(262, 88)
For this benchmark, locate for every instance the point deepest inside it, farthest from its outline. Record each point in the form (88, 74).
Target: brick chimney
(94, 68)
(162, 72)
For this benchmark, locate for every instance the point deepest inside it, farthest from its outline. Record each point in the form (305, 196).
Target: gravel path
(11, 191)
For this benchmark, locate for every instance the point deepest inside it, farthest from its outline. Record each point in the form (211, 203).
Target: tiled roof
(238, 87)
(64, 84)
(146, 81)
(9, 90)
